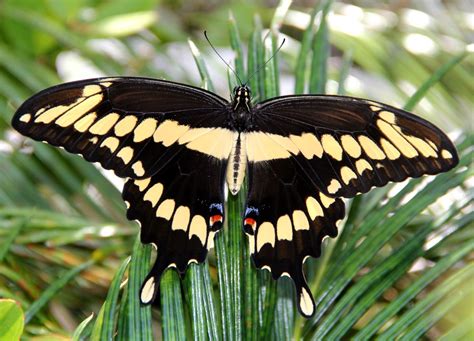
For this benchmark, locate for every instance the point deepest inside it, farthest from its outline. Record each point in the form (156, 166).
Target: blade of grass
(10, 238)
(201, 66)
(236, 45)
(344, 72)
(411, 292)
(104, 326)
(418, 317)
(302, 60)
(83, 330)
(321, 51)
(370, 296)
(201, 303)
(53, 289)
(172, 307)
(137, 322)
(255, 62)
(434, 79)
(387, 271)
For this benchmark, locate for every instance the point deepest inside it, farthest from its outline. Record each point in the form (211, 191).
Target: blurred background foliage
(64, 239)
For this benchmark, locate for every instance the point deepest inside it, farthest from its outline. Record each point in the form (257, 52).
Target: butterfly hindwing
(286, 220)
(180, 210)
(130, 125)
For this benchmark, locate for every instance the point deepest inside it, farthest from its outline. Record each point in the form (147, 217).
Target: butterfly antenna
(265, 64)
(228, 65)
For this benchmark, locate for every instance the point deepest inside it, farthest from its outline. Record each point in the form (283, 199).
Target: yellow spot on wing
(308, 144)
(334, 186)
(314, 208)
(153, 194)
(325, 200)
(198, 228)
(217, 143)
(397, 139)
(103, 125)
(84, 123)
(306, 303)
(181, 218)
(125, 125)
(166, 208)
(423, 147)
(286, 142)
(347, 175)
(69, 118)
(144, 130)
(446, 154)
(111, 142)
(388, 116)
(138, 168)
(90, 90)
(371, 148)
(284, 228)
(265, 234)
(143, 184)
(389, 149)
(25, 118)
(126, 154)
(362, 165)
(432, 144)
(262, 147)
(331, 146)
(351, 146)
(300, 222)
(52, 113)
(169, 132)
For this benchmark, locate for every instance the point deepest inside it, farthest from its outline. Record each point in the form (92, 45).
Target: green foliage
(402, 264)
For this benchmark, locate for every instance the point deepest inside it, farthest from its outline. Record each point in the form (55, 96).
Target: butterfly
(181, 147)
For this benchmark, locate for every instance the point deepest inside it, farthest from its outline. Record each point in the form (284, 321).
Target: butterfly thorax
(241, 108)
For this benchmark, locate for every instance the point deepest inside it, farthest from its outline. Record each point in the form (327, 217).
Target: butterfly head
(241, 98)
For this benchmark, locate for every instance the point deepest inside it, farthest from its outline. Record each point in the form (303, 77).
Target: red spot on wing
(216, 218)
(250, 222)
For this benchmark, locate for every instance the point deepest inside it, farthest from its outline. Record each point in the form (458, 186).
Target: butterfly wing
(168, 139)
(130, 125)
(180, 209)
(306, 152)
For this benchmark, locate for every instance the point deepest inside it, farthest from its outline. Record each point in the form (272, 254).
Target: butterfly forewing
(130, 125)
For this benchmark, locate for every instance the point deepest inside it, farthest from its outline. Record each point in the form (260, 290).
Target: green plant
(363, 284)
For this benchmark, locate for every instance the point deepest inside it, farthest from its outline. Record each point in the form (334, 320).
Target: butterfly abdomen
(237, 164)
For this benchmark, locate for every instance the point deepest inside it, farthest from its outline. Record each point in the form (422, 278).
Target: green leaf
(321, 51)
(104, 326)
(11, 320)
(83, 330)
(53, 289)
(433, 80)
(172, 307)
(136, 322)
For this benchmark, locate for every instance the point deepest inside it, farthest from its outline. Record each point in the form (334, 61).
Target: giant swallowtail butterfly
(179, 147)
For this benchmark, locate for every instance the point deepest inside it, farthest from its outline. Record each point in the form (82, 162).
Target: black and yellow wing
(306, 152)
(171, 142)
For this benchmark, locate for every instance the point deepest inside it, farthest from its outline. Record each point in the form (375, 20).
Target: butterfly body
(178, 146)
